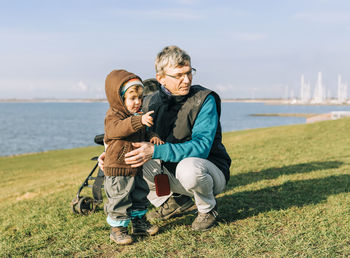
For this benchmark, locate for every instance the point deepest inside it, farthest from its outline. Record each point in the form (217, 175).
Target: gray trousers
(125, 194)
(194, 177)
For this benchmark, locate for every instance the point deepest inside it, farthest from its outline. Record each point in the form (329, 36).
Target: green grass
(288, 196)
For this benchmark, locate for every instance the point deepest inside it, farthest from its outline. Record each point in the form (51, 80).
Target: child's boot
(141, 226)
(120, 235)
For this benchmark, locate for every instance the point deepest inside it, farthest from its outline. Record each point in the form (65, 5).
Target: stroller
(84, 204)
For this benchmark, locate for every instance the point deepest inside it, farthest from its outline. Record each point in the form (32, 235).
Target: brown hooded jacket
(121, 127)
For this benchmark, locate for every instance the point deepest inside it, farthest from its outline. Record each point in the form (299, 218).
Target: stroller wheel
(85, 205)
(73, 205)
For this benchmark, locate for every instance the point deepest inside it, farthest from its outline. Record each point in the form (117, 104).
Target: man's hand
(101, 160)
(141, 155)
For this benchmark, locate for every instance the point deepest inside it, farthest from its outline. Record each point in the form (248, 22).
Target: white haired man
(187, 119)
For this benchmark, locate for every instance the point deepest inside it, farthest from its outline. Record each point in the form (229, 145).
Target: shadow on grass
(272, 173)
(296, 193)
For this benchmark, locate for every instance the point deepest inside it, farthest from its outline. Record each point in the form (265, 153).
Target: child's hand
(156, 140)
(147, 119)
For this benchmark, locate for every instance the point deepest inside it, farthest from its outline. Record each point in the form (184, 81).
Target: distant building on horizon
(320, 93)
(305, 90)
(342, 90)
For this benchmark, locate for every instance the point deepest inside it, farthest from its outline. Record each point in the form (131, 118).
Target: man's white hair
(171, 56)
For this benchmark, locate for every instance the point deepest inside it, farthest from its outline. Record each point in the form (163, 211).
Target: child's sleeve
(117, 128)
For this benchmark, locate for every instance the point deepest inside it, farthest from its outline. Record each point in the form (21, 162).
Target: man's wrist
(150, 156)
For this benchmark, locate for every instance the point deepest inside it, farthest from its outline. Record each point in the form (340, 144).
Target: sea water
(239, 115)
(36, 127)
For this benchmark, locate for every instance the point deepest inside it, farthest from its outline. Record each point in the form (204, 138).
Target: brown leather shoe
(120, 236)
(174, 206)
(141, 226)
(205, 221)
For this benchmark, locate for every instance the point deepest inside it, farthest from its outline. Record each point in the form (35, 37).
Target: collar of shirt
(165, 90)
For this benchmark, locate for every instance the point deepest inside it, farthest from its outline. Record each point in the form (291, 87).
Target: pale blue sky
(65, 49)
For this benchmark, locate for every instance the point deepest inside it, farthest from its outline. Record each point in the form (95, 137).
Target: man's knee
(190, 172)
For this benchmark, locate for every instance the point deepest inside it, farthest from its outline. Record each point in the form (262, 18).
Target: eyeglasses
(181, 76)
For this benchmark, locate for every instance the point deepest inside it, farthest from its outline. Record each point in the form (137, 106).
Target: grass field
(288, 196)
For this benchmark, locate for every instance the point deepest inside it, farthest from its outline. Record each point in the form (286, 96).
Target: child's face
(132, 101)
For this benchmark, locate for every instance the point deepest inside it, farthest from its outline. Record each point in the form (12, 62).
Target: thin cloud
(250, 36)
(160, 14)
(25, 35)
(189, 2)
(224, 87)
(81, 86)
(323, 17)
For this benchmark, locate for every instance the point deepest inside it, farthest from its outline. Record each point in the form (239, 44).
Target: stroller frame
(84, 204)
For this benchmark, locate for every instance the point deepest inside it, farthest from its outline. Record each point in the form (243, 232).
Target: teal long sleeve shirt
(203, 133)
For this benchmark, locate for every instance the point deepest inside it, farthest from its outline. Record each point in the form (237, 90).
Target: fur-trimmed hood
(113, 84)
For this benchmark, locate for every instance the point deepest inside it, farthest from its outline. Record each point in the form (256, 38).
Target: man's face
(177, 80)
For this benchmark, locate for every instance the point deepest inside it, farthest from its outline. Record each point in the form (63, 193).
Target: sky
(241, 49)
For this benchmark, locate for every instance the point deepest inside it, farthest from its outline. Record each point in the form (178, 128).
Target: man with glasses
(187, 119)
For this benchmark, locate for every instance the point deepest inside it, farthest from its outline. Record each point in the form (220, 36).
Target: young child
(125, 187)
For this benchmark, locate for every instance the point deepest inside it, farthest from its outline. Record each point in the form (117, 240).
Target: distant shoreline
(105, 100)
(277, 101)
(51, 100)
(266, 101)
(284, 102)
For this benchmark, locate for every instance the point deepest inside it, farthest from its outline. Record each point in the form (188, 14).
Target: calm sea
(36, 127)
